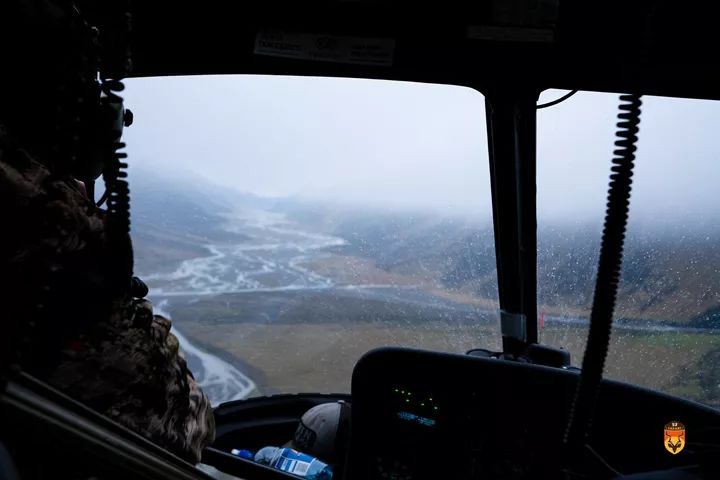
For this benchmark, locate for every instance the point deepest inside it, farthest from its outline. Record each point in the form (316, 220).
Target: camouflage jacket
(63, 324)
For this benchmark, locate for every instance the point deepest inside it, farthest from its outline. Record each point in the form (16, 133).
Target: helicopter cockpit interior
(523, 412)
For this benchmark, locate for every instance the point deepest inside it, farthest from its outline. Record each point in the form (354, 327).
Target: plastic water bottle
(294, 462)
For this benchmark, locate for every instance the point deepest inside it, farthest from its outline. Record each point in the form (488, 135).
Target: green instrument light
(407, 400)
(422, 404)
(435, 408)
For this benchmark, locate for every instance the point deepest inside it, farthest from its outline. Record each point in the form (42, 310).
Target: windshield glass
(289, 225)
(667, 318)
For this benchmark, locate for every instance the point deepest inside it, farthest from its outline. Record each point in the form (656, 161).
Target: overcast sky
(411, 145)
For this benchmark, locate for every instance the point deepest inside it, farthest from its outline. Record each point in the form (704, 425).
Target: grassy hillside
(669, 277)
(172, 220)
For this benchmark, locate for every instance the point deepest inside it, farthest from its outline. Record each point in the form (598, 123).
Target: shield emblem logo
(674, 438)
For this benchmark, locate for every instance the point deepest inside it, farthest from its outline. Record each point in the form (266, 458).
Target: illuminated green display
(413, 399)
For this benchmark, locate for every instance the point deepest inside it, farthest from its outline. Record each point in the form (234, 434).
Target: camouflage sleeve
(130, 369)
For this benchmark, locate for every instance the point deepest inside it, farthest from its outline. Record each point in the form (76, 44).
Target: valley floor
(310, 341)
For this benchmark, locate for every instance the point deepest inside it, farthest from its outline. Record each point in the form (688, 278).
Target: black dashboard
(420, 415)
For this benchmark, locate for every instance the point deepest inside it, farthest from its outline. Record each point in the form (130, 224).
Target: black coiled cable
(118, 193)
(608, 276)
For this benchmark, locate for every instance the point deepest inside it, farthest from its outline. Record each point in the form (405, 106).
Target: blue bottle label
(292, 461)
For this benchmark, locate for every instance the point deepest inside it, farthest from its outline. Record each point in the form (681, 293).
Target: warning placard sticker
(325, 48)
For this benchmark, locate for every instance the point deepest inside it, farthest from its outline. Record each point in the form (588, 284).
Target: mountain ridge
(668, 276)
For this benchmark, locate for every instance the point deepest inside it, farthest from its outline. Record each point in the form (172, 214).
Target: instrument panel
(422, 415)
